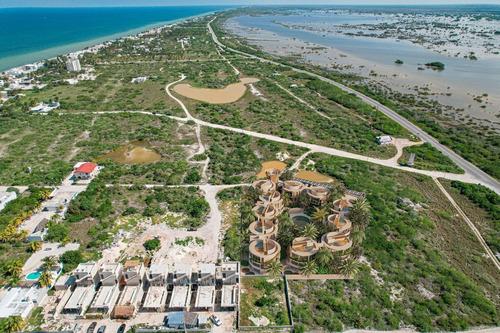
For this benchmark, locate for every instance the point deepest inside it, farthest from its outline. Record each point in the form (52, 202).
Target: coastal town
(178, 180)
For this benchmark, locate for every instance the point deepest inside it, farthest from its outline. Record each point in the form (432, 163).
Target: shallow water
(135, 152)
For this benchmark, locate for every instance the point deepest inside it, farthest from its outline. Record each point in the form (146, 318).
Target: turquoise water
(33, 276)
(32, 34)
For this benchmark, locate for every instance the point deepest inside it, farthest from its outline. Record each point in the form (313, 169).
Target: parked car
(192, 229)
(92, 327)
(121, 329)
(101, 329)
(215, 320)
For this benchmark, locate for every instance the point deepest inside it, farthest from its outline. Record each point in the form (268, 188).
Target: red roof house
(86, 171)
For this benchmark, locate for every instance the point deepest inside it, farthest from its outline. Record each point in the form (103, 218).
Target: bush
(152, 244)
(71, 259)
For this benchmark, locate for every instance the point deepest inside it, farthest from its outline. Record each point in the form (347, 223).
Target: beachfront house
(85, 170)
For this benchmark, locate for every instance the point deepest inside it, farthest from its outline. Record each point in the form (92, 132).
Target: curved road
(474, 172)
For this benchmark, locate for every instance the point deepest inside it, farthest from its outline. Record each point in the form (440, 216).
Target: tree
(357, 236)
(35, 246)
(14, 267)
(14, 280)
(71, 259)
(152, 244)
(304, 200)
(287, 175)
(319, 214)
(309, 269)
(12, 324)
(49, 262)
(350, 267)
(286, 221)
(64, 241)
(274, 268)
(287, 200)
(324, 256)
(360, 213)
(45, 279)
(309, 231)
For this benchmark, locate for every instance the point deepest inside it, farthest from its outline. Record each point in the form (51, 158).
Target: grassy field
(263, 297)
(429, 158)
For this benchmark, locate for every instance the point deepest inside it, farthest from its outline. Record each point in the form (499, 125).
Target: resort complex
(264, 247)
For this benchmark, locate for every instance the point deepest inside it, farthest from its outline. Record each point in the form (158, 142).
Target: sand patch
(271, 165)
(229, 94)
(313, 176)
(136, 152)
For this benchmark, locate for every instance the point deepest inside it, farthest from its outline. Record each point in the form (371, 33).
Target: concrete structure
(73, 65)
(230, 273)
(132, 273)
(80, 300)
(205, 298)
(293, 187)
(128, 302)
(44, 107)
(230, 297)
(385, 140)
(156, 299)
(139, 79)
(86, 275)
(86, 171)
(21, 301)
(265, 185)
(64, 282)
(273, 175)
(157, 275)
(179, 300)
(40, 231)
(318, 194)
(110, 274)
(301, 251)
(181, 274)
(205, 275)
(262, 252)
(6, 197)
(105, 299)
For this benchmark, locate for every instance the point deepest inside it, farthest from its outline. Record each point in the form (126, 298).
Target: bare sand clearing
(136, 152)
(229, 94)
(313, 176)
(271, 165)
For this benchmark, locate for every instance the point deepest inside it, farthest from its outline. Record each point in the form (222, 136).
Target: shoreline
(53, 52)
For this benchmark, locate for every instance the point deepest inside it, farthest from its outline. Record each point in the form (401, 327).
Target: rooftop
(180, 297)
(205, 297)
(229, 295)
(86, 168)
(155, 298)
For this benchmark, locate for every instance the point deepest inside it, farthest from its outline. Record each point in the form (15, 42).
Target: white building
(86, 274)
(73, 65)
(206, 275)
(384, 140)
(6, 197)
(80, 300)
(105, 299)
(21, 301)
(110, 274)
(156, 298)
(181, 274)
(128, 302)
(139, 79)
(230, 272)
(43, 107)
(132, 273)
(157, 275)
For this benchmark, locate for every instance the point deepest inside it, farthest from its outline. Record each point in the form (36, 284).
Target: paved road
(479, 175)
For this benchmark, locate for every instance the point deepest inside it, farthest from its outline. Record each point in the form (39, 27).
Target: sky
(101, 3)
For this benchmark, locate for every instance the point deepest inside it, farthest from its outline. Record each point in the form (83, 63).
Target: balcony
(341, 223)
(318, 193)
(265, 185)
(303, 247)
(336, 241)
(293, 187)
(263, 230)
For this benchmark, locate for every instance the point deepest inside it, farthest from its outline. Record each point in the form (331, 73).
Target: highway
(474, 172)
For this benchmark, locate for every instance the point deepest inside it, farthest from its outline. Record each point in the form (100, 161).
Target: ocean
(32, 34)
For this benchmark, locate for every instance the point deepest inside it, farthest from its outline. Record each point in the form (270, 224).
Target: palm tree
(309, 269)
(324, 256)
(14, 280)
(350, 267)
(360, 213)
(35, 246)
(64, 241)
(44, 194)
(12, 324)
(287, 200)
(45, 279)
(357, 236)
(319, 214)
(285, 238)
(310, 231)
(49, 262)
(361, 204)
(14, 267)
(285, 221)
(274, 268)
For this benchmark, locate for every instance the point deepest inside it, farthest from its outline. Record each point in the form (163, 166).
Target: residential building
(139, 79)
(180, 297)
(105, 299)
(156, 298)
(206, 274)
(132, 273)
(262, 252)
(128, 303)
(80, 300)
(293, 187)
(40, 231)
(182, 320)
(205, 298)
(86, 274)
(110, 274)
(230, 272)
(319, 194)
(230, 297)
(181, 274)
(22, 301)
(6, 197)
(384, 140)
(73, 65)
(301, 251)
(265, 185)
(157, 275)
(86, 171)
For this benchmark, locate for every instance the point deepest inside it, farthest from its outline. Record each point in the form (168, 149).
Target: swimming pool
(301, 220)
(33, 276)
